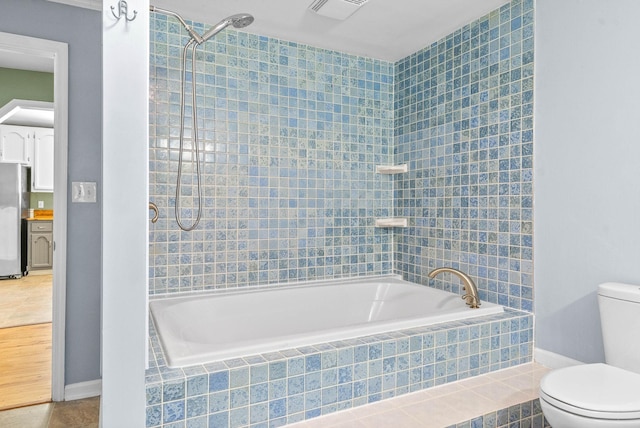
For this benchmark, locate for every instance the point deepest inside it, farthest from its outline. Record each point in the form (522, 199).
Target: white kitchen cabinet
(30, 146)
(15, 143)
(42, 168)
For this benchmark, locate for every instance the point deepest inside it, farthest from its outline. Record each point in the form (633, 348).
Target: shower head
(240, 20)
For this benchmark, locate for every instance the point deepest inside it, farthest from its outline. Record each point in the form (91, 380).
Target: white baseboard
(80, 390)
(553, 360)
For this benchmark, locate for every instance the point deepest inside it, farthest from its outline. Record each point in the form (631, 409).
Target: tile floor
(444, 405)
(67, 414)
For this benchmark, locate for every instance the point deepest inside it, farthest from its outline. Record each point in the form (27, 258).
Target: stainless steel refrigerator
(14, 206)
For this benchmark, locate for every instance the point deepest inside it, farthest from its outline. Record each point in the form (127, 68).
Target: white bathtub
(205, 328)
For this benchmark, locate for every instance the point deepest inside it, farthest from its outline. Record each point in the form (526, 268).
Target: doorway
(23, 53)
(25, 340)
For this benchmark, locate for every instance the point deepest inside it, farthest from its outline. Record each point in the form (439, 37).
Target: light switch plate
(83, 191)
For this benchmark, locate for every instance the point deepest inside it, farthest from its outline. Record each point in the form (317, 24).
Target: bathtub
(203, 328)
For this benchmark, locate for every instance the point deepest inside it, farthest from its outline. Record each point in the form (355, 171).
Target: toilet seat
(595, 391)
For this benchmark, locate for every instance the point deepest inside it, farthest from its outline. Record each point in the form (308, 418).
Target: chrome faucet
(467, 284)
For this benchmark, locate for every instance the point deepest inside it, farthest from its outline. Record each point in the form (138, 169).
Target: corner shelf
(392, 222)
(392, 169)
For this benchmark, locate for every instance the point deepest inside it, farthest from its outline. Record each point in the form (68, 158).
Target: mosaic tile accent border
(297, 384)
(291, 136)
(523, 415)
(464, 124)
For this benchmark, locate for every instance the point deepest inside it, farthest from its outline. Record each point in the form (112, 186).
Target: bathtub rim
(326, 336)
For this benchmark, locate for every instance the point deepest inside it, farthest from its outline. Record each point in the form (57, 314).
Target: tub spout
(471, 295)
(154, 208)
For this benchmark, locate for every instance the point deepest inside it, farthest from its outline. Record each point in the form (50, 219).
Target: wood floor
(26, 300)
(25, 341)
(25, 365)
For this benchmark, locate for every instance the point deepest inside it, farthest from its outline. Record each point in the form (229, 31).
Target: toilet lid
(596, 390)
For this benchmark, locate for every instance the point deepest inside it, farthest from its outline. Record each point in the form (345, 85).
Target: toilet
(602, 395)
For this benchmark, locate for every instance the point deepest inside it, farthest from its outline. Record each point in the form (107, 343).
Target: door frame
(58, 52)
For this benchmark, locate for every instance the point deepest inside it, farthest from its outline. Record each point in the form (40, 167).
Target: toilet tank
(620, 318)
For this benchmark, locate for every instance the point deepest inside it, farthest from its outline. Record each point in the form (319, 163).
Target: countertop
(41, 215)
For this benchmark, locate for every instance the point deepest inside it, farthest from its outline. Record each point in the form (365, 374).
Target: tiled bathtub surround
(464, 124)
(299, 384)
(291, 136)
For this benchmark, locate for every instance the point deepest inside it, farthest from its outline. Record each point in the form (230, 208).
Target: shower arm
(239, 20)
(193, 33)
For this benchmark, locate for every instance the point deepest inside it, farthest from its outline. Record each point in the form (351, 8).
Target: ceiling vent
(336, 9)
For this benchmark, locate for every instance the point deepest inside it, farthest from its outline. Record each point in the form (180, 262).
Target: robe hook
(123, 10)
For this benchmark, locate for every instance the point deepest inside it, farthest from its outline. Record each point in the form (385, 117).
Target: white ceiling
(384, 29)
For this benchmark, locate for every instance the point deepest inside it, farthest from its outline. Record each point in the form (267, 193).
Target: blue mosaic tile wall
(297, 384)
(291, 136)
(464, 124)
(291, 194)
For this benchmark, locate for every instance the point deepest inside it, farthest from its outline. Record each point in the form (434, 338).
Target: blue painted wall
(587, 183)
(81, 29)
